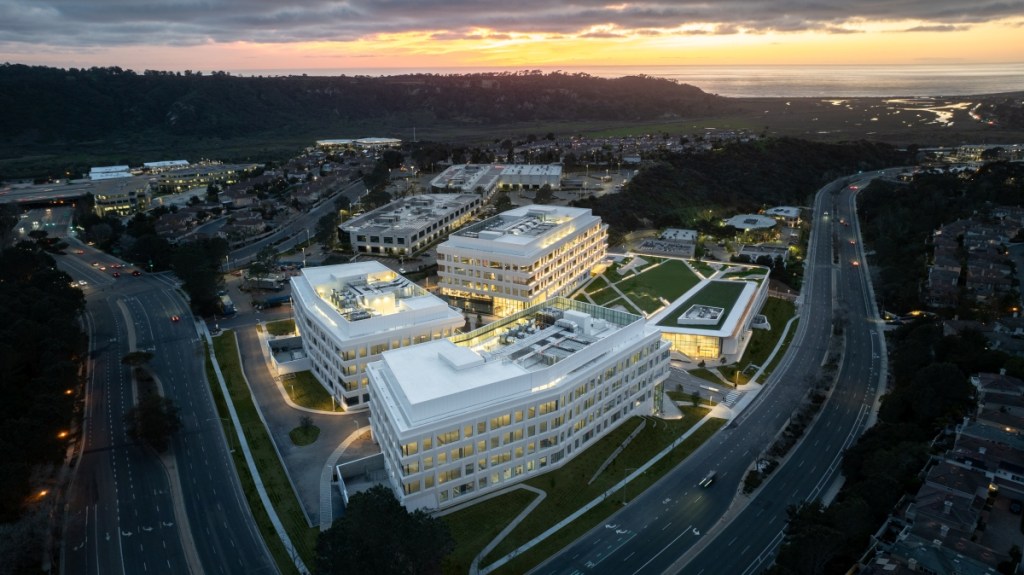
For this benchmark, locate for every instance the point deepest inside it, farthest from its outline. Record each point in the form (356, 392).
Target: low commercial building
(481, 179)
(201, 175)
(788, 215)
(461, 417)
(520, 258)
(109, 172)
(712, 321)
(484, 179)
(120, 196)
(747, 222)
(410, 224)
(351, 313)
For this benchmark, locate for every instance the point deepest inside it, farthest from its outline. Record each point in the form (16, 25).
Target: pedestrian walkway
(732, 397)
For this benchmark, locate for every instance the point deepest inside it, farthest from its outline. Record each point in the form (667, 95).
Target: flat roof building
(461, 417)
(520, 258)
(410, 224)
(750, 222)
(713, 319)
(109, 172)
(351, 313)
(479, 179)
(121, 196)
(486, 178)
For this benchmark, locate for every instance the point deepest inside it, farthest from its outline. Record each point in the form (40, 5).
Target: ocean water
(774, 81)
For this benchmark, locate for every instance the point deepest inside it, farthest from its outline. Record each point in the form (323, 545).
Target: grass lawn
(567, 489)
(716, 293)
(762, 342)
(474, 527)
(669, 280)
(688, 399)
(706, 374)
(605, 296)
(305, 390)
(281, 327)
(703, 269)
(271, 470)
(745, 273)
(304, 436)
(598, 284)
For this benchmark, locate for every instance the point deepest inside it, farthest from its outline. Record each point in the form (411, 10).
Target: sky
(308, 35)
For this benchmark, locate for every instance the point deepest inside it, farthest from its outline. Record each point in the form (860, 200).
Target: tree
(377, 535)
(327, 228)
(153, 421)
(695, 398)
(198, 264)
(265, 262)
(137, 358)
(544, 195)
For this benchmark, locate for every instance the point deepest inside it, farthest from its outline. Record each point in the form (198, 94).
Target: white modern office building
(349, 314)
(461, 417)
(520, 258)
(408, 225)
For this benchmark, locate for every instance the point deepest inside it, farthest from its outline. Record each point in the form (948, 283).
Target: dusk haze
(505, 287)
(253, 36)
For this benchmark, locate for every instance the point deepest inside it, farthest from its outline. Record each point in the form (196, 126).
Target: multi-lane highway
(677, 524)
(128, 510)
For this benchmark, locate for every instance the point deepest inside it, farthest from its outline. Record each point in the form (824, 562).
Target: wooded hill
(688, 189)
(52, 105)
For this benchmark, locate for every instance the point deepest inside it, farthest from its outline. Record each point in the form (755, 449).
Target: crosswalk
(731, 398)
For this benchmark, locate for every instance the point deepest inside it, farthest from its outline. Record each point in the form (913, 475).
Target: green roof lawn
(715, 293)
(669, 280)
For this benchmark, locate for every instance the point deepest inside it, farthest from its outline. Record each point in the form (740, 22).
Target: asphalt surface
(130, 511)
(663, 530)
(295, 232)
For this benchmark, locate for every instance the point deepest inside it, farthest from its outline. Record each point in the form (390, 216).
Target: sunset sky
(306, 35)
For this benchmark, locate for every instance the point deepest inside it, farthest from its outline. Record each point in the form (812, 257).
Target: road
(128, 510)
(663, 530)
(294, 232)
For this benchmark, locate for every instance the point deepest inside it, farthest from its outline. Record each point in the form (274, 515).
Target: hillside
(44, 107)
(681, 189)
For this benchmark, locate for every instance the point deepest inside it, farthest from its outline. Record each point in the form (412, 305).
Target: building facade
(520, 258)
(712, 321)
(120, 196)
(408, 225)
(349, 314)
(468, 415)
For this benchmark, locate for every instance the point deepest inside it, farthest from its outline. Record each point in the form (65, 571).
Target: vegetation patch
(669, 280)
(281, 327)
(715, 293)
(306, 433)
(272, 473)
(703, 268)
(691, 398)
(705, 374)
(566, 493)
(304, 389)
(476, 526)
(567, 486)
